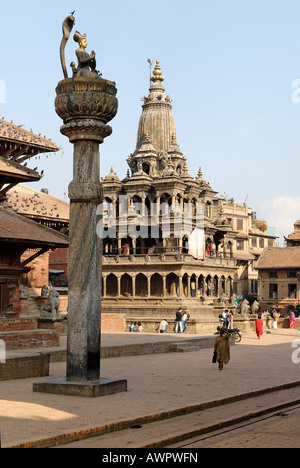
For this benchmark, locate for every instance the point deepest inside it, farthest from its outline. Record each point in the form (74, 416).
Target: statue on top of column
(86, 62)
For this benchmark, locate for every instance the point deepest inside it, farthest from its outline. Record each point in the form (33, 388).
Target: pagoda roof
(17, 228)
(10, 170)
(16, 146)
(12, 133)
(37, 205)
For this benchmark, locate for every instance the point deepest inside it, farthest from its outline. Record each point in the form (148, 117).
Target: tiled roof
(35, 204)
(294, 236)
(14, 227)
(14, 133)
(11, 171)
(279, 257)
(240, 255)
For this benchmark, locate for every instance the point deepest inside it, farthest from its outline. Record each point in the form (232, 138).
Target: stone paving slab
(156, 384)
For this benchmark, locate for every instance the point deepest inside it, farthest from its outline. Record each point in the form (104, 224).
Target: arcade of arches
(166, 285)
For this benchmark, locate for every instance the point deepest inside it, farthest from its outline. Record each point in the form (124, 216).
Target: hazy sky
(229, 67)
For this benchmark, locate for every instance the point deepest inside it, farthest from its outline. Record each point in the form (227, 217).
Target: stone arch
(230, 286)
(146, 168)
(111, 285)
(208, 286)
(141, 286)
(208, 209)
(156, 285)
(179, 169)
(172, 284)
(201, 285)
(185, 280)
(215, 288)
(126, 285)
(193, 285)
(222, 285)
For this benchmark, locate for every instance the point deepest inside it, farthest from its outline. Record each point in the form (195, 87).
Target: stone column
(164, 286)
(85, 105)
(119, 246)
(104, 286)
(148, 285)
(133, 285)
(83, 351)
(119, 286)
(180, 286)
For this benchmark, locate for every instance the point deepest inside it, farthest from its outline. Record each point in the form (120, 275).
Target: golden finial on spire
(157, 73)
(200, 173)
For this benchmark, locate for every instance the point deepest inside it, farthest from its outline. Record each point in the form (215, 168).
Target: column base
(95, 388)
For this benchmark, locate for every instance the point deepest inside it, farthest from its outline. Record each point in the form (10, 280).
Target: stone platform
(25, 366)
(23, 332)
(101, 387)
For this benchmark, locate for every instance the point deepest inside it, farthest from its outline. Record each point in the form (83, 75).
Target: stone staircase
(33, 309)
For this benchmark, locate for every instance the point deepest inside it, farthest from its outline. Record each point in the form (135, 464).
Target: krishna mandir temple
(168, 241)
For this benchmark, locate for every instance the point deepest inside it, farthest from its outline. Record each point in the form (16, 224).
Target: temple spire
(156, 118)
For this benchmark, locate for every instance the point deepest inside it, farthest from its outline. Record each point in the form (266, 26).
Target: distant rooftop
(36, 205)
(279, 258)
(16, 228)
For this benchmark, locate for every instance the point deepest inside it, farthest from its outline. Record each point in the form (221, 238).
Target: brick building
(279, 276)
(22, 240)
(279, 272)
(49, 211)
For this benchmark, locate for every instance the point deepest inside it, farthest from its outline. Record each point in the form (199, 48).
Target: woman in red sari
(259, 327)
(292, 319)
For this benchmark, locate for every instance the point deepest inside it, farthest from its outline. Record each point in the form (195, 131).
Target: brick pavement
(156, 383)
(279, 431)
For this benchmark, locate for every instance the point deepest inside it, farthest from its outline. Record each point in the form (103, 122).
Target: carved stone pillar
(104, 286)
(164, 285)
(180, 286)
(133, 285)
(119, 286)
(80, 103)
(85, 105)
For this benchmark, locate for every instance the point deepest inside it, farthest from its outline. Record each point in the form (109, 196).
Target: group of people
(182, 318)
(272, 315)
(136, 327)
(181, 321)
(226, 319)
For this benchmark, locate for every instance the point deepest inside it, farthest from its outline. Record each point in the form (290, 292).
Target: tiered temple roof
(18, 145)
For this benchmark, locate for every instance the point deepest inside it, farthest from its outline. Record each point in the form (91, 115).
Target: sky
(231, 68)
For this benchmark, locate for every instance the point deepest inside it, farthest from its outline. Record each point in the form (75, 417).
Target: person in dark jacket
(178, 320)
